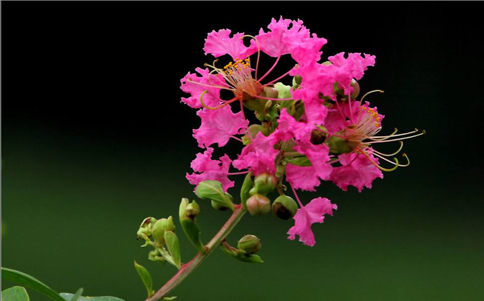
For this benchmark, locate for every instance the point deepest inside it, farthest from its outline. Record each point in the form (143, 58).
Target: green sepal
(338, 146)
(229, 250)
(156, 256)
(145, 277)
(300, 161)
(193, 233)
(15, 293)
(173, 246)
(251, 258)
(246, 187)
(240, 254)
(212, 190)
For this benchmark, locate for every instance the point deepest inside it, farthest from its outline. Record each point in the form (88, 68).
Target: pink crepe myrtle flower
(311, 131)
(306, 216)
(286, 37)
(218, 126)
(207, 169)
(357, 133)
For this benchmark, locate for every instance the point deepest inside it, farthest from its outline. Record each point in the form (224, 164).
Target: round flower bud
(192, 210)
(250, 244)
(258, 205)
(264, 184)
(284, 207)
(159, 228)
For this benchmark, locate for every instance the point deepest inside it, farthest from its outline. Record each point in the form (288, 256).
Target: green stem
(189, 267)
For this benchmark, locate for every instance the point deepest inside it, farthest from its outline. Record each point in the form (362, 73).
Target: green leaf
(246, 187)
(16, 293)
(145, 277)
(169, 298)
(30, 282)
(212, 190)
(69, 297)
(77, 295)
(193, 233)
(173, 246)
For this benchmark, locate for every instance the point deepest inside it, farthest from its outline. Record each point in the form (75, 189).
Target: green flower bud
(265, 183)
(145, 228)
(212, 190)
(250, 244)
(341, 94)
(284, 207)
(317, 137)
(192, 210)
(270, 92)
(159, 228)
(258, 205)
(338, 146)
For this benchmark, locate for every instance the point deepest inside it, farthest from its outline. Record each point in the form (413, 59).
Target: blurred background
(95, 139)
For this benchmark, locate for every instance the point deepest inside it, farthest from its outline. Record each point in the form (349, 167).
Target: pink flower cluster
(310, 125)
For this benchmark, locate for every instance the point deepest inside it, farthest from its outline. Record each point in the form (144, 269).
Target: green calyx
(250, 244)
(284, 207)
(264, 184)
(338, 146)
(159, 229)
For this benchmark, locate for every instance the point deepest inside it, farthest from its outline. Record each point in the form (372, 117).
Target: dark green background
(94, 139)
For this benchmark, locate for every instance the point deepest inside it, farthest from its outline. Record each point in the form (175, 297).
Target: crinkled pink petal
(308, 177)
(315, 112)
(289, 128)
(318, 155)
(356, 170)
(311, 213)
(290, 37)
(219, 43)
(207, 169)
(352, 67)
(218, 126)
(316, 79)
(196, 85)
(259, 156)
(302, 177)
(308, 51)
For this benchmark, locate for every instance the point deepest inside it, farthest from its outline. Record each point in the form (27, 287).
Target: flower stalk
(187, 268)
